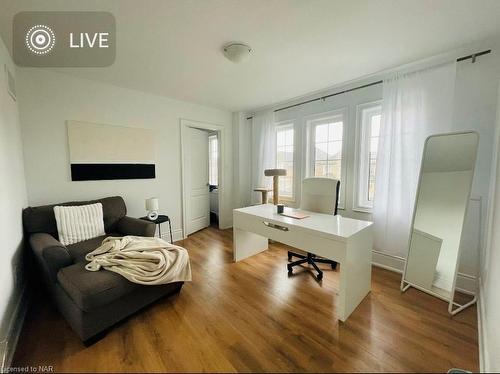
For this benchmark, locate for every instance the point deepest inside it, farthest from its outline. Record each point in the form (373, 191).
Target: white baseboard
(15, 325)
(465, 283)
(176, 234)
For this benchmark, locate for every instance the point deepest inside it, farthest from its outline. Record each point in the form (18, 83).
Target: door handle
(275, 226)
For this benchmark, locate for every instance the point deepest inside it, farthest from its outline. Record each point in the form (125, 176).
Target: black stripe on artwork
(93, 172)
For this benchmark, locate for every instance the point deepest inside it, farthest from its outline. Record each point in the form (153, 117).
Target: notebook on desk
(294, 214)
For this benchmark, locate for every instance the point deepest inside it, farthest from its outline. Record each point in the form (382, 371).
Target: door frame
(185, 124)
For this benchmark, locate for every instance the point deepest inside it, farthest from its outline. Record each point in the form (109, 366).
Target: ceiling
(173, 47)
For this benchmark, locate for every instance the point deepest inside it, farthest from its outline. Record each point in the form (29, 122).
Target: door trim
(185, 124)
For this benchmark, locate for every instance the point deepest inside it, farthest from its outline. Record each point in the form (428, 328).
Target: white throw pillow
(79, 223)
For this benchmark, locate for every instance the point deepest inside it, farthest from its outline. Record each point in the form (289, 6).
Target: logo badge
(63, 39)
(40, 39)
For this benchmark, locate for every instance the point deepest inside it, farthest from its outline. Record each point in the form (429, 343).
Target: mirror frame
(405, 285)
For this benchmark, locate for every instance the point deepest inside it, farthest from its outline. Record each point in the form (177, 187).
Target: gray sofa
(91, 302)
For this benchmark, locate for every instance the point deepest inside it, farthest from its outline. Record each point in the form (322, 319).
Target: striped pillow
(79, 223)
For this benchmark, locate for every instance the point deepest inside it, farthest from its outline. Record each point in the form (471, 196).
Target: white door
(198, 200)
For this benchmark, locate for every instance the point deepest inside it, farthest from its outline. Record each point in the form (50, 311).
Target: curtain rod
(469, 57)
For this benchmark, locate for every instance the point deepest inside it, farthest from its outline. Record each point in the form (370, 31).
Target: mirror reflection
(442, 198)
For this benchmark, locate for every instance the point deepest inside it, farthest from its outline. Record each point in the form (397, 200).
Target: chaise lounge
(91, 302)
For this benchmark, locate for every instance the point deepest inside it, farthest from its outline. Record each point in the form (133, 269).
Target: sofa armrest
(136, 227)
(50, 254)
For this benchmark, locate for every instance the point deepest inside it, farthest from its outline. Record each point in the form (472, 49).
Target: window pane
(320, 169)
(374, 145)
(289, 137)
(280, 138)
(371, 180)
(213, 159)
(321, 133)
(280, 154)
(370, 117)
(334, 167)
(289, 153)
(284, 158)
(335, 150)
(321, 151)
(335, 131)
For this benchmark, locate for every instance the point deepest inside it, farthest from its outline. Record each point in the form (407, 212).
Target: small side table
(161, 219)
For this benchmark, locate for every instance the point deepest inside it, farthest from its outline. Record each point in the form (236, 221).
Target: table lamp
(152, 208)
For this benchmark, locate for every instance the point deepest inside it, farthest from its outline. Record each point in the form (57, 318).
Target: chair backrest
(320, 195)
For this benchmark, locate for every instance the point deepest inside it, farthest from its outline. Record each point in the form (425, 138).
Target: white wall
(48, 99)
(242, 134)
(490, 270)
(12, 200)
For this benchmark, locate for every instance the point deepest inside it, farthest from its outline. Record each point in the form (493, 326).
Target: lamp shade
(152, 204)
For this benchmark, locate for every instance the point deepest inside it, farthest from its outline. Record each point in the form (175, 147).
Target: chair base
(309, 259)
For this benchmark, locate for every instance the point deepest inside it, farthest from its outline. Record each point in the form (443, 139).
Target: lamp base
(152, 215)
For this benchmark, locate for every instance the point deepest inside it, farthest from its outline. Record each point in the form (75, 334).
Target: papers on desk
(294, 214)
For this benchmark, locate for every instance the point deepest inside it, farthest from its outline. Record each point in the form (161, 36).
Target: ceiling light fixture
(237, 52)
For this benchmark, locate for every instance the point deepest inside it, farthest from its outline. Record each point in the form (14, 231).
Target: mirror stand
(448, 298)
(442, 198)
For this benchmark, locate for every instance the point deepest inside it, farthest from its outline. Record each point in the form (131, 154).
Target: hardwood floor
(250, 316)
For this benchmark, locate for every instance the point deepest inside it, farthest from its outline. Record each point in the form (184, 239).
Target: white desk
(347, 241)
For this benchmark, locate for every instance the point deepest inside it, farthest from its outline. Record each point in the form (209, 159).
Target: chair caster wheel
(289, 258)
(319, 277)
(334, 266)
(290, 271)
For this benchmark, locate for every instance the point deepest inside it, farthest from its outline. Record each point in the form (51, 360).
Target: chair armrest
(136, 227)
(50, 254)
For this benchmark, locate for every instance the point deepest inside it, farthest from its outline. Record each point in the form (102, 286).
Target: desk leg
(246, 244)
(355, 273)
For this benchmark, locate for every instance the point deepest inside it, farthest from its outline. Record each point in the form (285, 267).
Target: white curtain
(263, 151)
(415, 105)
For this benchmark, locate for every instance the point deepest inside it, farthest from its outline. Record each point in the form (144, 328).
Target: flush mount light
(237, 52)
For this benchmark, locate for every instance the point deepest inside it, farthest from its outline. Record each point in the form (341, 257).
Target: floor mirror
(441, 203)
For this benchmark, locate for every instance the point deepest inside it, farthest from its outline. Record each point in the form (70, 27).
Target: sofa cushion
(78, 250)
(42, 218)
(93, 289)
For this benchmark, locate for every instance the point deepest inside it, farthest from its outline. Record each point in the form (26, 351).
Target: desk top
(327, 225)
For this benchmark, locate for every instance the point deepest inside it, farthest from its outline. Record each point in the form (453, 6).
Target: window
(369, 116)
(326, 152)
(213, 160)
(284, 158)
(328, 148)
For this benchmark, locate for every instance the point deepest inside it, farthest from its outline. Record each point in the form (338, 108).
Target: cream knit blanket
(142, 260)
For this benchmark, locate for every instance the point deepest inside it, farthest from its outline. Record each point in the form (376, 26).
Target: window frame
(362, 154)
(287, 125)
(210, 156)
(318, 119)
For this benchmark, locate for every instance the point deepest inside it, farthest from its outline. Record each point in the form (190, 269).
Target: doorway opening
(202, 175)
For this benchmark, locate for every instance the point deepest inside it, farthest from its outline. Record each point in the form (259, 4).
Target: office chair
(320, 195)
